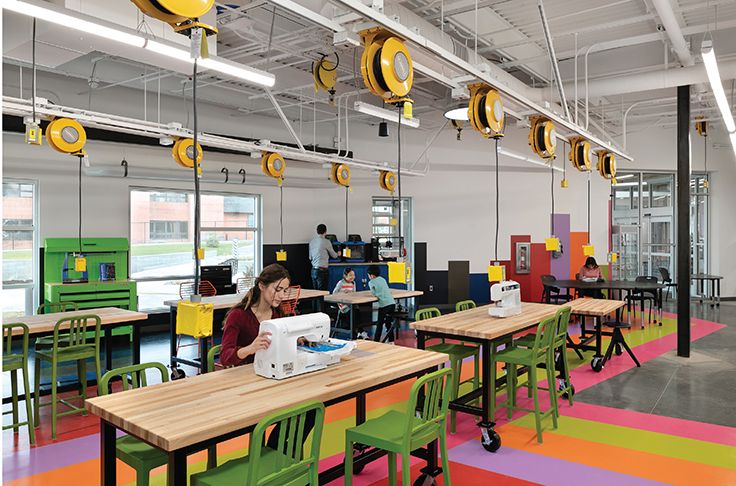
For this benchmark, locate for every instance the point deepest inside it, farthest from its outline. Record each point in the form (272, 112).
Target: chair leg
(457, 368)
(552, 386)
(36, 391)
(445, 457)
(510, 389)
(348, 462)
(406, 468)
(142, 477)
(54, 370)
(14, 393)
(492, 387)
(82, 371)
(29, 408)
(391, 468)
(628, 350)
(566, 375)
(537, 411)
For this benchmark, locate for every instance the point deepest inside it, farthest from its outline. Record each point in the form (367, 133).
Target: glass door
(626, 245)
(699, 198)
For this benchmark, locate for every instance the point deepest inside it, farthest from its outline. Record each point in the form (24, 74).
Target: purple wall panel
(560, 267)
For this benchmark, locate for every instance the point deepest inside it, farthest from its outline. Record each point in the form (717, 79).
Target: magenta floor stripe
(540, 469)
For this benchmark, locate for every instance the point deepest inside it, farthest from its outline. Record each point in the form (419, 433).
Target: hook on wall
(124, 164)
(242, 172)
(227, 174)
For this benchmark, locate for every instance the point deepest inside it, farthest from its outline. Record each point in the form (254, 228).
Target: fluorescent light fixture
(385, 114)
(711, 67)
(459, 113)
(91, 25)
(627, 176)
(518, 156)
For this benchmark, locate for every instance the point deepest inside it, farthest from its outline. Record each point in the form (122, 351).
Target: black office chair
(550, 293)
(667, 280)
(642, 296)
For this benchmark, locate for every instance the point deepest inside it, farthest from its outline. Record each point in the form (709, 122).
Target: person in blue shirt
(320, 252)
(386, 303)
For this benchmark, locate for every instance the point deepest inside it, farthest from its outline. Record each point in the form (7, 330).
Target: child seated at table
(386, 303)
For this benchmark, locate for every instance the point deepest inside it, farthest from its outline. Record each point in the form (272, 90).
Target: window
(162, 239)
(20, 248)
(385, 218)
(699, 201)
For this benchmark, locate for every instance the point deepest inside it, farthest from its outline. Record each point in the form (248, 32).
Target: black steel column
(683, 221)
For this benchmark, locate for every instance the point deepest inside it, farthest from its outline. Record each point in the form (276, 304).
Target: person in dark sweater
(241, 338)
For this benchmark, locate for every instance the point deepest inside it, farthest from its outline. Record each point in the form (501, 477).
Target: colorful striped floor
(593, 444)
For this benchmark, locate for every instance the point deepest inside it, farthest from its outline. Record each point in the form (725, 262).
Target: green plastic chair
(14, 362)
(457, 353)
(538, 353)
(46, 342)
(402, 432)
(285, 466)
(211, 355)
(132, 451)
(559, 345)
(79, 348)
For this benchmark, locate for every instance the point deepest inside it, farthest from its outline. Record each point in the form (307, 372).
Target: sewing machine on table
(507, 296)
(287, 356)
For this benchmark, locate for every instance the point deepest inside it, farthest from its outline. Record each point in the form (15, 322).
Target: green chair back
(427, 313)
(465, 305)
(436, 389)
(79, 326)
(14, 361)
(50, 307)
(292, 464)
(131, 376)
(211, 355)
(545, 336)
(563, 320)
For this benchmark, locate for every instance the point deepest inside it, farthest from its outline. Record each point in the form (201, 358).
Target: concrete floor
(702, 388)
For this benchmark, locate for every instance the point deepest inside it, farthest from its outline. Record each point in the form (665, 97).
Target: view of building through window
(20, 248)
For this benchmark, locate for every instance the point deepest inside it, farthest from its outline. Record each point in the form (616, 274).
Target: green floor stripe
(642, 440)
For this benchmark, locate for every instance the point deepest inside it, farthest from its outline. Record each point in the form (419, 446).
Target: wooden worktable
(477, 323)
(180, 413)
(594, 307)
(44, 323)
(366, 297)
(228, 300)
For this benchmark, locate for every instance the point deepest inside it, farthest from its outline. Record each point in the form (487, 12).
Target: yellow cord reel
(66, 136)
(607, 165)
(273, 165)
(183, 153)
(340, 174)
(387, 180)
(580, 154)
(325, 77)
(543, 137)
(701, 126)
(485, 110)
(182, 15)
(386, 65)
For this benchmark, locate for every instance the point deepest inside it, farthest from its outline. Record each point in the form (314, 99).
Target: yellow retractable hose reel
(387, 180)
(607, 165)
(183, 153)
(580, 154)
(386, 66)
(701, 126)
(66, 136)
(182, 15)
(543, 137)
(325, 76)
(273, 165)
(340, 174)
(485, 110)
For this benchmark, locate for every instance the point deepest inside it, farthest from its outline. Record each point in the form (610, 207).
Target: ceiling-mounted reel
(273, 165)
(387, 180)
(701, 126)
(324, 73)
(542, 137)
(182, 15)
(458, 125)
(386, 67)
(183, 153)
(580, 154)
(67, 136)
(485, 110)
(340, 174)
(607, 165)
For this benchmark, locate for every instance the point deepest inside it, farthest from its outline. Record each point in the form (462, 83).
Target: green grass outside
(225, 248)
(16, 254)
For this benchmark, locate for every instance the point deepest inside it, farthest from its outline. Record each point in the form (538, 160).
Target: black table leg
(718, 285)
(136, 344)
(108, 348)
(177, 471)
(712, 292)
(353, 334)
(172, 335)
(489, 439)
(107, 453)
(597, 362)
(203, 349)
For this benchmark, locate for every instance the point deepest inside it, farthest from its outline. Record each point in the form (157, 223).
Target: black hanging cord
(196, 181)
(398, 182)
(347, 190)
(33, 76)
(495, 248)
(705, 155)
(281, 214)
(80, 203)
(552, 186)
(589, 207)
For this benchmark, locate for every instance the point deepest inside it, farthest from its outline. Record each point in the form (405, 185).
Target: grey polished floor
(701, 388)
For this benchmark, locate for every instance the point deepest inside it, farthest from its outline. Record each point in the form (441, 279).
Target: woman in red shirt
(240, 337)
(591, 270)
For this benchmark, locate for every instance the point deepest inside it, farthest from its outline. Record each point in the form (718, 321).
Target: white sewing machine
(507, 296)
(285, 357)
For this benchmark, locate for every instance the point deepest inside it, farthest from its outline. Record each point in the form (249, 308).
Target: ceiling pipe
(673, 31)
(553, 60)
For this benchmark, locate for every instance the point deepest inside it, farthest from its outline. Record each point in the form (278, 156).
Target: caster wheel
(618, 350)
(425, 480)
(490, 440)
(597, 364)
(177, 374)
(572, 391)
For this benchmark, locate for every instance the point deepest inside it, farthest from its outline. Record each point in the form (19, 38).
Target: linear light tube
(711, 67)
(384, 114)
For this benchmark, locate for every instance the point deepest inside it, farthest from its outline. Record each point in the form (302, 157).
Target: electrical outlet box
(431, 288)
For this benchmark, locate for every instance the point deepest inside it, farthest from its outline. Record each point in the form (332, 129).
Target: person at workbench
(386, 302)
(590, 271)
(240, 336)
(320, 252)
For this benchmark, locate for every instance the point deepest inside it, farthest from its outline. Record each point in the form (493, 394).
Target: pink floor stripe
(718, 434)
(584, 377)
